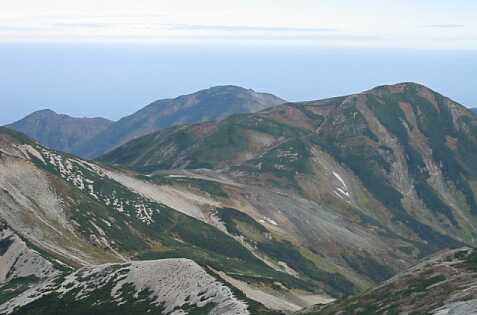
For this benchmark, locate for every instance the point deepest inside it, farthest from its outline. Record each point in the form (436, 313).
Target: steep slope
(133, 288)
(474, 110)
(17, 260)
(212, 104)
(288, 207)
(443, 284)
(78, 213)
(20, 266)
(366, 183)
(60, 132)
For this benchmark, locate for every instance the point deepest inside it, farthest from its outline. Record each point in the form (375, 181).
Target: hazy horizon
(110, 58)
(115, 80)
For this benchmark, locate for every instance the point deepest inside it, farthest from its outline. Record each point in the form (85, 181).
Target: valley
(277, 209)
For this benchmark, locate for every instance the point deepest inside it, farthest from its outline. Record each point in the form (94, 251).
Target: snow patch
(182, 201)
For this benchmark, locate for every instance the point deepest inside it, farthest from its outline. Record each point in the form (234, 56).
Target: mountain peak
(228, 87)
(214, 103)
(399, 87)
(235, 90)
(59, 131)
(43, 112)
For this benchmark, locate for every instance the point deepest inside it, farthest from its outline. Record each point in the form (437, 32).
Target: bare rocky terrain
(275, 211)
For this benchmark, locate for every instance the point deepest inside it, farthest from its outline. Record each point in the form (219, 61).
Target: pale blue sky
(117, 79)
(111, 57)
(324, 23)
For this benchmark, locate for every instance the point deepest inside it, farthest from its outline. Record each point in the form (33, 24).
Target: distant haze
(114, 80)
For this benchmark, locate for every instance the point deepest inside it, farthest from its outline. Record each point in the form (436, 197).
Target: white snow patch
(340, 179)
(182, 201)
(268, 220)
(341, 192)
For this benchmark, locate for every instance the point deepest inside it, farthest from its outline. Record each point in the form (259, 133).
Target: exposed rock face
(17, 260)
(169, 286)
(58, 131)
(443, 284)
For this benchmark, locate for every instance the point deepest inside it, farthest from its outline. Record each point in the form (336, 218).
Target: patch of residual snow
(341, 190)
(183, 201)
(76, 171)
(268, 220)
(171, 283)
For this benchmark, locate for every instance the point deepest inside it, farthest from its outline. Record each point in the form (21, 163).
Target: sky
(331, 23)
(111, 57)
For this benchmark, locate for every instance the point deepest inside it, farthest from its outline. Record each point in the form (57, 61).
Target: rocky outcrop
(442, 284)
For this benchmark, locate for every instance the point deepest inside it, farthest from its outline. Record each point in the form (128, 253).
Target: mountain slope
(212, 104)
(367, 183)
(60, 132)
(180, 285)
(75, 213)
(292, 206)
(442, 284)
(474, 110)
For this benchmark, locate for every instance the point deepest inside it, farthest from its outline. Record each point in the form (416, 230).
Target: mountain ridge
(59, 131)
(89, 137)
(210, 104)
(383, 143)
(77, 213)
(294, 205)
(441, 284)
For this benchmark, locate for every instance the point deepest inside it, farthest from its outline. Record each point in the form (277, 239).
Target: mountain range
(92, 137)
(59, 131)
(277, 211)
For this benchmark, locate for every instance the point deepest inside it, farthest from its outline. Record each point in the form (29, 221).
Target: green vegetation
(436, 122)
(284, 251)
(369, 267)
(15, 287)
(392, 117)
(171, 234)
(254, 307)
(286, 160)
(99, 302)
(316, 119)
(239, 223)
(352, 146)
